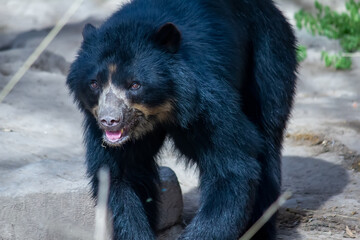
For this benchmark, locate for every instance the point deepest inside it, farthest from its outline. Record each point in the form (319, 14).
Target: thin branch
(102, 228)
(266, 216)
(42, 46)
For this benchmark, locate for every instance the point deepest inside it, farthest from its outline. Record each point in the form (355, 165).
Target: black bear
(217, 77)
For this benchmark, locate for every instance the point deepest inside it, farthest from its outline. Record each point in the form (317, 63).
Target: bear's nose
(109, 121)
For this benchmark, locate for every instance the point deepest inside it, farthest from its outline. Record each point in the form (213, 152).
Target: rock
(191, 204)
(29, 39)
(11, 60)
(171, 233)
(65, 44)
(51, 62)
(39, 200)
(171, 203)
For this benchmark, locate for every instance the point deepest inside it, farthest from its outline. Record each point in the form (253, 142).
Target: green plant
(342, 26)
(301, 53)
(337, 60)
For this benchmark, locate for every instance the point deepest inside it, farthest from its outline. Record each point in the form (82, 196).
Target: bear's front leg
(129, 216)
(133, 182)
(133, 198)
(228, 188)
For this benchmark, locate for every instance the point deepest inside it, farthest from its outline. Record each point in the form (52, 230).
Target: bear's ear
(169, 37)
(88, 31)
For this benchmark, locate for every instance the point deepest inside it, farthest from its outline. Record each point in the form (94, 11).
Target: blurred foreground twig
(102, 226)
(266, 216)
(42, 46)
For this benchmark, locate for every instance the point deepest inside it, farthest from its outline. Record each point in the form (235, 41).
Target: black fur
(228, 68)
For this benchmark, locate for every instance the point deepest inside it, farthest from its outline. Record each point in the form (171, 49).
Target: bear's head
(124, 77)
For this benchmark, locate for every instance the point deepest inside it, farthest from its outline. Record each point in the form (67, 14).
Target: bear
(217, 77)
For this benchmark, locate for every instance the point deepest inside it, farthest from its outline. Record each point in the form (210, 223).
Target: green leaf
(337, 60)
(343, 63)
(343, 26)
(301, 53)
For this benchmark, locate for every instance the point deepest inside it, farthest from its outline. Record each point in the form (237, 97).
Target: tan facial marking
(143, 129)
(112, 70)
(95, 110)
(162, 112)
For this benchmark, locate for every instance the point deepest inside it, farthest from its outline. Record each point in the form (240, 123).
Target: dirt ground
(43, 188)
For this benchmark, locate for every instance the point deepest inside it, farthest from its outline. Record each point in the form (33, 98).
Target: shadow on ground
(312, 181)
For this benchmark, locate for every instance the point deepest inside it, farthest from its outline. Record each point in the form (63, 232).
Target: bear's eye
(135, 86)
(94, 84)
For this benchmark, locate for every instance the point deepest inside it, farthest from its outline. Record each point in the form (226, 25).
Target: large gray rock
(50, 200)
(171, 233)
(171, 206)
(171, 203)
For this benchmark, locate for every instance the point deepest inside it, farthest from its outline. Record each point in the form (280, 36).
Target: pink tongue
(113, 136)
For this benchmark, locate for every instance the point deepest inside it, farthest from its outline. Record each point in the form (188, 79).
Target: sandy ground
(43, 188)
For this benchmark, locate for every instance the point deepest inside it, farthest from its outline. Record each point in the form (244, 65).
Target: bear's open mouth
(116, 137)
